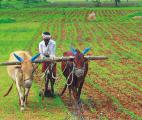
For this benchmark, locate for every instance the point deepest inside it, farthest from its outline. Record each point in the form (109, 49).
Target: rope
(47, 69)
(65, 67)
(62, 72)
(69, 76)
(54, 77)
(44, 74)
(52, 72)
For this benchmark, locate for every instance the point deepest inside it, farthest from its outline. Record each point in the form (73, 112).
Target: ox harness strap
(71, 73)
(47, 71)
(79, 71)
(45, 74)
(75, 71)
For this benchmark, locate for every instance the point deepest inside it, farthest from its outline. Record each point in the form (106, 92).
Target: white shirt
(49, 49)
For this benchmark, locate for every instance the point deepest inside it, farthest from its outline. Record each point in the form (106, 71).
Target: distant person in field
(47, 48)
(92, 16)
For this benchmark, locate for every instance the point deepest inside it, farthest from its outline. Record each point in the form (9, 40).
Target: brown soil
(102, 105)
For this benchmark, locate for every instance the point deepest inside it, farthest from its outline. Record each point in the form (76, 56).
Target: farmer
(47, 48)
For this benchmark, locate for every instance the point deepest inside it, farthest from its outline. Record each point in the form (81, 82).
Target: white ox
(22, 74)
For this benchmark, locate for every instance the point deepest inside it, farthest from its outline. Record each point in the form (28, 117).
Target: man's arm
(41, 51)
(53, 49)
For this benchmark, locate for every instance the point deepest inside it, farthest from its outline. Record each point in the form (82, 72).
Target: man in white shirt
(47, 48)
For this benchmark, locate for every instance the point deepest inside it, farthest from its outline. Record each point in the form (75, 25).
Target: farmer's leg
(45, 69)
(53, 78)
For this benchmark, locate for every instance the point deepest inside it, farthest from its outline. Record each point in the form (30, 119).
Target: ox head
(79, 61)
(26, 67)
(26, 63)
(79, 58)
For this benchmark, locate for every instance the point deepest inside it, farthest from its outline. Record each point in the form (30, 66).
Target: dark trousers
(45, 65)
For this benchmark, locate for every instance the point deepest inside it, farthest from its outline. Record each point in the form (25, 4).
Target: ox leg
(63, 90)
(70, 98)
(75, 102)
(79, 103)
(46, 92)
(52, 81)
(79, 91)
(53, 77)
(74, 90)
(21, 96)
(26, 95)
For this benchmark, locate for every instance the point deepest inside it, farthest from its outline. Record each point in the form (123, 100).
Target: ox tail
(65, 87)
(8, 90)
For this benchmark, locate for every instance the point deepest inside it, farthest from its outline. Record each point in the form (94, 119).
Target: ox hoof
(41, 93)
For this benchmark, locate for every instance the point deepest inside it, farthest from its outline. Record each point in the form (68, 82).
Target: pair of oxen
(74, 64)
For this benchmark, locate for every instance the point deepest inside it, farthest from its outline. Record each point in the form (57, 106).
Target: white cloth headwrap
(46, 36)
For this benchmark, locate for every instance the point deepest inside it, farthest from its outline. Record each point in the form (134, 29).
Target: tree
(26, 1)
(117, 2)
(0, 4)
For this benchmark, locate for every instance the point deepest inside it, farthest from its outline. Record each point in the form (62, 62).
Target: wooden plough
(55, 59)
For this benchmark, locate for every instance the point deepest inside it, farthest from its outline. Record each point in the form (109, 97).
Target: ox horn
(73, 50)
(86, 50)
(35, 57)
(18, 58)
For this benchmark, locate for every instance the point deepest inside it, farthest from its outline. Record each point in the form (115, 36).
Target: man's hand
(44, 58)
(47, 55)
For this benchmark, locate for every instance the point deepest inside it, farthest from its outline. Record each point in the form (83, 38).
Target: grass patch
(8, 20)
(135, 14)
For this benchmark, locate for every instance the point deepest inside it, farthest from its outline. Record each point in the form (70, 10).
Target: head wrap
(46, 35)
